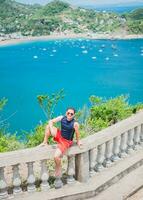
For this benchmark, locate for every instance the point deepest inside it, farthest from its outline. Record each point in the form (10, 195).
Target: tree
(48, 102)
(3, 102)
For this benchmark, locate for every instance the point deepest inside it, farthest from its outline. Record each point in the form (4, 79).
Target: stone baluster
(82, 166)
(3, 185)
(141, 135)
(137, 133)
(31, 178)
(123, 145)
(116, 148)
(92, 161)
(71, 169)
(44, 176)
(100, 157)
(130, 142)
(108, 154)
(16, 180)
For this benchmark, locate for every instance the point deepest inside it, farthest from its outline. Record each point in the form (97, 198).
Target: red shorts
(63, 144)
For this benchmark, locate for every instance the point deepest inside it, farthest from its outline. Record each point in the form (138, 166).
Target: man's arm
(52, 121)
(50, 128)
(76, 127)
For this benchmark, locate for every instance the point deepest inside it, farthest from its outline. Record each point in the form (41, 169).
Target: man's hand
(43, 144)
(79, 143)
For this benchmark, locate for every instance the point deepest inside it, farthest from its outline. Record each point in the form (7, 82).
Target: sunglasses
(69, 113)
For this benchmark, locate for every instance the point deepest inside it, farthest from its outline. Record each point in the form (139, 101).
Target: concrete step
(125, 186)
(137, 196)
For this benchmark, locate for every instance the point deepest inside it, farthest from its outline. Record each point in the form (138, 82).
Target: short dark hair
(71, 108)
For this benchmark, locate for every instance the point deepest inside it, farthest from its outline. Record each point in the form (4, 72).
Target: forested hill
(58, 16)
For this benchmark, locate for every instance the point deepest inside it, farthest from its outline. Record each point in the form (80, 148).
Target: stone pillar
(92, 161)
(141, 135)
(123, 145)
(3, 185)
(130, 142)
(16, 180)
(71, 169)
(108, 154)
(44, 176)
(100, 157)
(31, 178)
(82, 167)
(137, 133)
(116, 149)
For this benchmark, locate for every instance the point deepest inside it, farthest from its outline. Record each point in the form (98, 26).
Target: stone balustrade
(99, 151)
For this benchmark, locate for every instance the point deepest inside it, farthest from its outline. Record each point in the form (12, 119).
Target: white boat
(116, 55)
(100, 50)
(85, 51)
(94, 57)
(54, 50)
(107, 58)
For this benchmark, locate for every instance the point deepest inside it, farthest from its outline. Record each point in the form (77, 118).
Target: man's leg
(48, 133)
(58, 168)
(57, 158)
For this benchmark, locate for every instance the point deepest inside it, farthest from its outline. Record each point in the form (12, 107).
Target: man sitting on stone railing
(63, 137)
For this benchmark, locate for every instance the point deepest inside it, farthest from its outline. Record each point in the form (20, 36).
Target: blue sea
(121, 8)
(82, 67)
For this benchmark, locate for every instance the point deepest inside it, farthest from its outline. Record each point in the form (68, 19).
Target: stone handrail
(99, 151)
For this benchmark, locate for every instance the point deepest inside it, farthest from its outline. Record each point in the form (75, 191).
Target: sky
(84, 2)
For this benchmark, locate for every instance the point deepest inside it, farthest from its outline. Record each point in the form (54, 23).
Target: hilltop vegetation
(135, 21)
(101, 114)
(58, 16)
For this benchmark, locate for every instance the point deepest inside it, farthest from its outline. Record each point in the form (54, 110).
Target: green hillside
(135, 21)
(58, 16)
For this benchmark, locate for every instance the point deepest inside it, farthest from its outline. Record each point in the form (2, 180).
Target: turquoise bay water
(122, 8)
(105, 68)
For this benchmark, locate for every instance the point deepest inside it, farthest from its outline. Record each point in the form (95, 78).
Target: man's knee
(57, 159)
(47, 127)
(58, 155)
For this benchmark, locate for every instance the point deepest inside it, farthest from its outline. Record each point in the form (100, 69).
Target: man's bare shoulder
(76, 124)
(57, 119)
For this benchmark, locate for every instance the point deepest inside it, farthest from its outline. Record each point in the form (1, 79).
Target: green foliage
(59, 16)
(135, 21)
(41, 26)
(136, 14)
(53, 8)
(104, 113)
(35, 137)
(82, 114)
(101, 114)
(3, 102)
(137, 107)
(135, 27)
(49, 102)
(9, 142)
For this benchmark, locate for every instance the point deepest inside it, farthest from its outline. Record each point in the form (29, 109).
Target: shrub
(104, 113)
(9, 142)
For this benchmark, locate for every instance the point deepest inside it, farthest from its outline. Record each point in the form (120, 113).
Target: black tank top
(67, 128)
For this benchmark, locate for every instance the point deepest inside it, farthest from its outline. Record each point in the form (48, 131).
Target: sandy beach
(11, 41)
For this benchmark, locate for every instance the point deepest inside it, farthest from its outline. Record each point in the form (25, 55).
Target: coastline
(13, 41)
